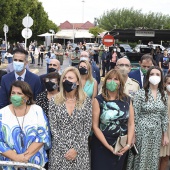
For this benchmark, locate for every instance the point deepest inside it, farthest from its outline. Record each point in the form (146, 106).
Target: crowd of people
(67, 119)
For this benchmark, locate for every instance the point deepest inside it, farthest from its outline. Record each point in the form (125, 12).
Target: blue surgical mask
(18, 66)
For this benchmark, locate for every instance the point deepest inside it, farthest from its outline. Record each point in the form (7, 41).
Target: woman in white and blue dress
(24, 131)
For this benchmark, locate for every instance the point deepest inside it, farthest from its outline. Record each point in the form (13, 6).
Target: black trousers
(105, 67)
(40, 56)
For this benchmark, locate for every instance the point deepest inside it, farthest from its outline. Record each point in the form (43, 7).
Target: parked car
(138, 46)
(127, 47)
(156, 45)
(93, 45)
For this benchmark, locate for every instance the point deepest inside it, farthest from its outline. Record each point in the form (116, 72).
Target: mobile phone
(134, 150)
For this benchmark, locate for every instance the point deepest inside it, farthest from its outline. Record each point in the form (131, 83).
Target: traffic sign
(26, 33)
(5, 28)
(108, 40)
(27, 21)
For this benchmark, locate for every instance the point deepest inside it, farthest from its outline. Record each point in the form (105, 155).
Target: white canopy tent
(65, 34)
(47, 34)
(83, 34)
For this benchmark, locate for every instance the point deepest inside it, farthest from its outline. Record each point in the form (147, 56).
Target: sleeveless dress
(113, 122)
(165, 150)
(88, 88)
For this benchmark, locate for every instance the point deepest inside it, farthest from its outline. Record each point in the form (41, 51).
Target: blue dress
(35, 128)
(113, 122)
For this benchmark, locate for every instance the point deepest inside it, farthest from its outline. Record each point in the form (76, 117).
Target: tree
(13, 11)
(95, 31)
(130, 18)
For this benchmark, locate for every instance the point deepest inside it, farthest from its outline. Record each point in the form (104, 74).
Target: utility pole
(83, 11)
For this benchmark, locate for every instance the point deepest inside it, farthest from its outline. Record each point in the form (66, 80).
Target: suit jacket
(32, 79)
(137, 76)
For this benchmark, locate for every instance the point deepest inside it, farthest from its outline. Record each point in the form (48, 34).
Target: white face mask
(168, 88)
(154, 80)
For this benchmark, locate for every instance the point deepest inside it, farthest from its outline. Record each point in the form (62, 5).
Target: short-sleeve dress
(113, 122)
(35, 128)
(70, 132)
(151, 119)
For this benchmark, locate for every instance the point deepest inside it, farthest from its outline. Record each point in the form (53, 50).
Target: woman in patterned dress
(165, 150)
(24, 130)
(51, 82)
(151, 120)
(113, 116)
(70, 114)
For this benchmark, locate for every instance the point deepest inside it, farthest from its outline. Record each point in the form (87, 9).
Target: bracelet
(128, 145)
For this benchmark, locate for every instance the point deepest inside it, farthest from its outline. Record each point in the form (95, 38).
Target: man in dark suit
(20, 60)
(145, 63)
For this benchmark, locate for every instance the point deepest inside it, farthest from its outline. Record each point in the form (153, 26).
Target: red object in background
(108, 40)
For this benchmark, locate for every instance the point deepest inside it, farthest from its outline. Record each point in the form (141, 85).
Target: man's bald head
(124, 66)
(54, 63)
(123, 61)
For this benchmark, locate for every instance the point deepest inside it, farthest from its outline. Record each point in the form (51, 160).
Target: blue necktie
(19, 78)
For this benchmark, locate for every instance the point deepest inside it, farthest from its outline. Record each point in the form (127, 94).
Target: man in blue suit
(145, 63)
(20, 60)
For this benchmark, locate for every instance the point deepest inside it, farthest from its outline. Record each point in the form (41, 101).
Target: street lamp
(52, 31)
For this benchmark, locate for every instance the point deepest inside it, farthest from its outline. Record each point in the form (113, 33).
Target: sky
(77, 11)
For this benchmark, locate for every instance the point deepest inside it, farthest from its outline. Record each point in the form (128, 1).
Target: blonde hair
(80, 94)
(110, 74)
(89, 74)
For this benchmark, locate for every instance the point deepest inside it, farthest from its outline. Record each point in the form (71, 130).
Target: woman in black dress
(113, 116)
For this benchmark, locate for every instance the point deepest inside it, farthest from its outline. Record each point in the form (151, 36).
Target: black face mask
(83, 71)
(69, 86)
(50, 86)
(50, 70)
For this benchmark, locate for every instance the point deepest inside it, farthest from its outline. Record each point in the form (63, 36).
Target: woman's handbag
(121, 143)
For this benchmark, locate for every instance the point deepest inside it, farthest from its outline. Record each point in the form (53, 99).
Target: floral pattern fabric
(35, 128)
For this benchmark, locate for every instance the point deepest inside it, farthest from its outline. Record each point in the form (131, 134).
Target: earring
(28, 102)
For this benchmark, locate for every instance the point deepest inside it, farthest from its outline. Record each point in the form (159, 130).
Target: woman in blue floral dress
(113, 116)
(24, 132)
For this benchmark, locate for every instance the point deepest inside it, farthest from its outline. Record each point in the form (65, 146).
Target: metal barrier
(17, 165)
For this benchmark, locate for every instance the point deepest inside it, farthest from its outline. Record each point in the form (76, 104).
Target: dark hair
(165, 79)
(20, 50)
(160, 86)
(53, 75)
(146, 57)
(77, 48)
(26, 90)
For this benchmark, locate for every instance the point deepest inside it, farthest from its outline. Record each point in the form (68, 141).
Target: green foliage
(95, 31)
(13, 11)
(130, 18)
